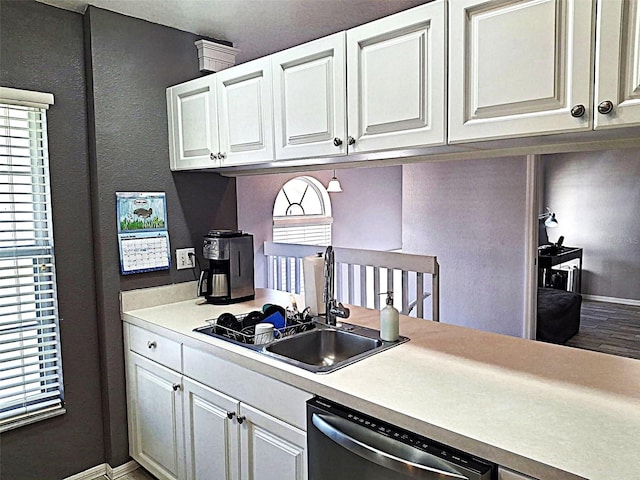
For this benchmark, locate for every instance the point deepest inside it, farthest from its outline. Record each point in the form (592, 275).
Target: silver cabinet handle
(230, 415)
(605, 107)
(176, 387)
(351, 140)
(213, 156)
(337, 142)
(151, 344)
(241, 419)
(577, 111)
(222, 155)
(368, 445)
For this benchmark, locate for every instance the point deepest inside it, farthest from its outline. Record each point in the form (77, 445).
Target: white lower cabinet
(182, 428)
(156, 433)
(271, 449)
(211, 433)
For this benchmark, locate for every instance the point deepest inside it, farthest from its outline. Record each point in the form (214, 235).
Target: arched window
(302, 213)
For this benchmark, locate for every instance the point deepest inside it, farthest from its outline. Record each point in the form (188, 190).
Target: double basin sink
(322, 349)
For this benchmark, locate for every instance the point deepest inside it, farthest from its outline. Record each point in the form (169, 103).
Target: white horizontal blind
(309, 234)
(30, 361)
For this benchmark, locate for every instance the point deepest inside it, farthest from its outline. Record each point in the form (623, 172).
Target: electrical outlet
(185, 258)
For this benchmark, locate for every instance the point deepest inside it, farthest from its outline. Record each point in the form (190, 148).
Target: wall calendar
(143, 238)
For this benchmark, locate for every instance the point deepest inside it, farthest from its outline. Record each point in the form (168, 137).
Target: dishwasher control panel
(460, 461)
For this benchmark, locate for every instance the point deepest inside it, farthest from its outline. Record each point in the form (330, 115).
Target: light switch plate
(185, 258)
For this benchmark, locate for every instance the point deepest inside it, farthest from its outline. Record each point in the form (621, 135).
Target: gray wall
(51, 60)
(132, 62)
(596, 197)
(471, 216)
(107, 133)
(367, 213)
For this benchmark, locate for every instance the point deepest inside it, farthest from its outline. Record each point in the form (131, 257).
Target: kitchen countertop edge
(322, 385)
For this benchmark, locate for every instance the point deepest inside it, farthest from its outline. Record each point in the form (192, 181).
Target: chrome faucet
(333, 308)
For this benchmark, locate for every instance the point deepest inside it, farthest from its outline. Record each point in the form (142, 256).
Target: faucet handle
(340, 311)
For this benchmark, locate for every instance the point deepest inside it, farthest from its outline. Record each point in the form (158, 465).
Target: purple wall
(596, 197)
(367, 213)
(471, 215)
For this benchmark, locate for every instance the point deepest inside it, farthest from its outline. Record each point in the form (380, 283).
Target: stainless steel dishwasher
(346, 445)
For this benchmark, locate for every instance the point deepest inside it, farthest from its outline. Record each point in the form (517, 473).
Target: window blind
(303, 234)
(30, 360)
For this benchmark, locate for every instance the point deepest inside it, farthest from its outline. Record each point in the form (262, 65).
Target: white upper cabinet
(245, 117)
(396, 87)
(617, 96)
(514, 69)
(309, 85)
(519, 68)
(193, 124)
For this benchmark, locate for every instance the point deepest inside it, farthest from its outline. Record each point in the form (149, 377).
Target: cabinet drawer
(273, 397)
(156, 347)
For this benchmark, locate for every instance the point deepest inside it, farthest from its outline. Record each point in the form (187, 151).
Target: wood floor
(609, 328)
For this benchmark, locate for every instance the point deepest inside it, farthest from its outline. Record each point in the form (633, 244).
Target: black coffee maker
(229, 276)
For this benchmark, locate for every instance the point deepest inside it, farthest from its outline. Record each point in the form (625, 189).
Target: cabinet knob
(577, 111)
(337, 142)
(241, 419)
(176, 387)
(605, 107)
(222, 155)
(213, 156)
(230, 415)
(351, 140)
(151, 344)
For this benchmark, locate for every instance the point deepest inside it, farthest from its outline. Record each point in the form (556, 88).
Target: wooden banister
(356, 271)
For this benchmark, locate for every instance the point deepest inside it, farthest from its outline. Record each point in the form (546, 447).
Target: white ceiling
(256, 27)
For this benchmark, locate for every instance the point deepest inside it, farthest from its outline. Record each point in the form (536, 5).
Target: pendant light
(334, 184)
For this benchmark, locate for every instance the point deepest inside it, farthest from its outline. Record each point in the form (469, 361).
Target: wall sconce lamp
(550, 218)
(334, 184)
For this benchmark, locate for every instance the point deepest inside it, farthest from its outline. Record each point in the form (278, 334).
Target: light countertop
(545, 410)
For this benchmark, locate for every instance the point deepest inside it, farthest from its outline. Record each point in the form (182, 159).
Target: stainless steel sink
(321, 348)
(326, 349)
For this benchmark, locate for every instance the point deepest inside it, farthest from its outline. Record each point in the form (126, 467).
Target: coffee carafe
(228, 277)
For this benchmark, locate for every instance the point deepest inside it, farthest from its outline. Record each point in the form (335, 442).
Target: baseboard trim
(122, 470)
(622, 301)
(89, 474)
(106, 470)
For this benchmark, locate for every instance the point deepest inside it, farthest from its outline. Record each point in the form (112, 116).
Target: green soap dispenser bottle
(389, 321)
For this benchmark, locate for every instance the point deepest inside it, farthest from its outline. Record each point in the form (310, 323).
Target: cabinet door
(396, 80)
(309, 99)
(618, 64)
(245, 113)
(155, 417)
(193, 124)
(270, 448)
(211, 437)
(517, 67)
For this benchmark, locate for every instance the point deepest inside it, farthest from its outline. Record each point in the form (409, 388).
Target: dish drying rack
(246, 335)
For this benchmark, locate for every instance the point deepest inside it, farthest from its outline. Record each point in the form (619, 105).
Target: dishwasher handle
(369, 446)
